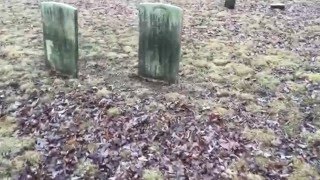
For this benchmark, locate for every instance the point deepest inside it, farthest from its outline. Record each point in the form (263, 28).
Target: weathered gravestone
(159, 41)
(230, 4)
(60, 35)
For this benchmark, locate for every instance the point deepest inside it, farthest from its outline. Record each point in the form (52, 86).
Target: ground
(247, 105)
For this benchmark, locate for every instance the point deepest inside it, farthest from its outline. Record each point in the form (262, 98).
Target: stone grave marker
(60, 35)
(159, 41)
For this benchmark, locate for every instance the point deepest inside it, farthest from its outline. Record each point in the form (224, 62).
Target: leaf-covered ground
(247, 105)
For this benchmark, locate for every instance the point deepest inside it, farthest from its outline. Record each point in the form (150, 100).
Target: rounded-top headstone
(159, 41)
(60, 35)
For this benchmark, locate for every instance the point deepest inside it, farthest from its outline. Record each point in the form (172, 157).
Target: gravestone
(230, 4)
(60, 35)
(159, 41)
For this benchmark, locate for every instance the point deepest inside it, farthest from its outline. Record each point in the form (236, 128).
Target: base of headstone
(230, 4)
(277, 6)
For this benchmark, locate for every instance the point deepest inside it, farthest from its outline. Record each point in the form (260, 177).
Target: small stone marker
(230, 4)
(277, 6)
(159, 41)
(60, 35)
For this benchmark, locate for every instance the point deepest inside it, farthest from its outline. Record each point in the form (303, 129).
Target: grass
(313, 138)
(221, 62)
(295, 87)
(103, 93)
(151, 174)
(240, 166)
(12, 145)
(266, 137)
(174, 96)
(222, 111)
(7, 126)
(86, 169)
(113, 112)
(12, 52)
(153, 106)
(267, 81)
(303, 170)
(240, 69)
(19, 162)
(313, 77)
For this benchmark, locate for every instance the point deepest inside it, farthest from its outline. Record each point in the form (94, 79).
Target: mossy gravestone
(230, 4)
(159, 41)
(60, 34)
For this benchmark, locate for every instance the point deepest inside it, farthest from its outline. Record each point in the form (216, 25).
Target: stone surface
(60, 35)
(230, 4)
(159, 41)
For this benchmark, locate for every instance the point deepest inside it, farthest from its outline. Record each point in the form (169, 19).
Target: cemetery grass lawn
(247, 105)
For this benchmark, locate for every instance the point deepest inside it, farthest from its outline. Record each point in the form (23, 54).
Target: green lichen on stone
(230, 4)
(60, 34)
(159, 41)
